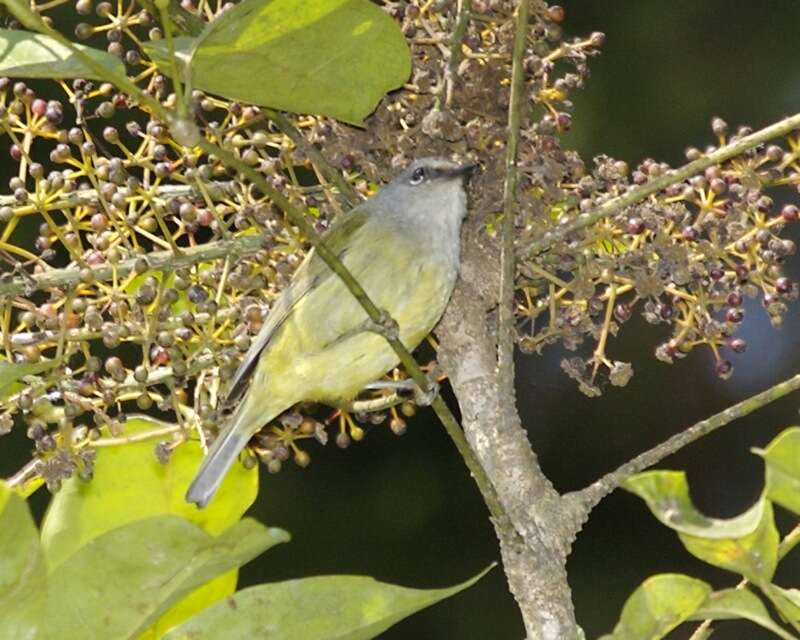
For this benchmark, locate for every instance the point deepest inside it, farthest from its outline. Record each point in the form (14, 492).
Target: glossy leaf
(747, 544)
(754, 556)
(667, 495)
(130, 484)
(328, 57)
(23, 581)
(119, 583)
(739, 603)
(24, 54)
(782, 458)
(321, 608)
(658, 605)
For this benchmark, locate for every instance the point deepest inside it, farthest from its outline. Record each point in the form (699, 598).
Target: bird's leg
(422, 397)
(425, 397)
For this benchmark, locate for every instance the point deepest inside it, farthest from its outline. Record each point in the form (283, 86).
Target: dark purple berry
(690, 233)
(724, 368)
(734, 299)
(742, 271)
(734, 315)
(635, 226)
(783, 285)
(737, 344)
(790, 213)
(622, 312)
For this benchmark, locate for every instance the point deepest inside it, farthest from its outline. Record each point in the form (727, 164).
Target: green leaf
(130, 484)
(24, 54)
(739, 603)
(121, 582)
(754, 556)
(328, 57)
(320, 608)
(667, 495)
(747, 544)
(782, 458)
(658, 605)
(787, 601)
(11, 372)
(23, 580)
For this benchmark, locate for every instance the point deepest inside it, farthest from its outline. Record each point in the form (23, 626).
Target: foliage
(116, 206)
(309, 71)
(748, 545)
(141, 260)
(125, 557)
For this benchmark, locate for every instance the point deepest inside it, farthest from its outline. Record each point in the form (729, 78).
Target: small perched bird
(402, 245)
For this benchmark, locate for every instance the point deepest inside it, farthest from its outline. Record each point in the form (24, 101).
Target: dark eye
(418, 175)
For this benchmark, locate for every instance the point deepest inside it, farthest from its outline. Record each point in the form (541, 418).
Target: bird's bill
(465, 170)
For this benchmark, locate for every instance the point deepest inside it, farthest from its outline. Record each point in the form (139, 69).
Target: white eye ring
(418, 176)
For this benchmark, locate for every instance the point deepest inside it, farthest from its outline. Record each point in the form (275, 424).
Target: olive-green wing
(310, 274)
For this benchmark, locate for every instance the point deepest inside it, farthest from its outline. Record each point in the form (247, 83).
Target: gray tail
(215, 465)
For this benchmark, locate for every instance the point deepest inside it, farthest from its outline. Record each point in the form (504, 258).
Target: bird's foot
(422, 397)
(425, 397)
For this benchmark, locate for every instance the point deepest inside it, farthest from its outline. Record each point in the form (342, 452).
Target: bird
(315, 345)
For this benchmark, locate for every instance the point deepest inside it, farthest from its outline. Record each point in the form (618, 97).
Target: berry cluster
(112, 283)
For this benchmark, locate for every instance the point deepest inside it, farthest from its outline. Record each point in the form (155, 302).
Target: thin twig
(595, 492)
(156, 260)
(505, 340)
(137, 437)
(780, 128)
(456, 42)
(312, 153)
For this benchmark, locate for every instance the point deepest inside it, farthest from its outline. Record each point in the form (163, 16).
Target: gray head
(428, 187)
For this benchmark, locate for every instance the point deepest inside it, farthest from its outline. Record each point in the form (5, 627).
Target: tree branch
(534, 538)
(589, 497)
(726, 152)
(166, 260)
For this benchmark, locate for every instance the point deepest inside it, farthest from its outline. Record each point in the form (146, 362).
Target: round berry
(622, 312)
(783, 285)
(737, 344)
(734, 315)
(734, 299)
(636, 226)
(724, 368)
(790, 213)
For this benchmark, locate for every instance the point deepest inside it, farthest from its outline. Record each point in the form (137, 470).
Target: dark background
(405, 510)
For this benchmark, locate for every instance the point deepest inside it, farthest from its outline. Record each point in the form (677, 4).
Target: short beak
(465, 170)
